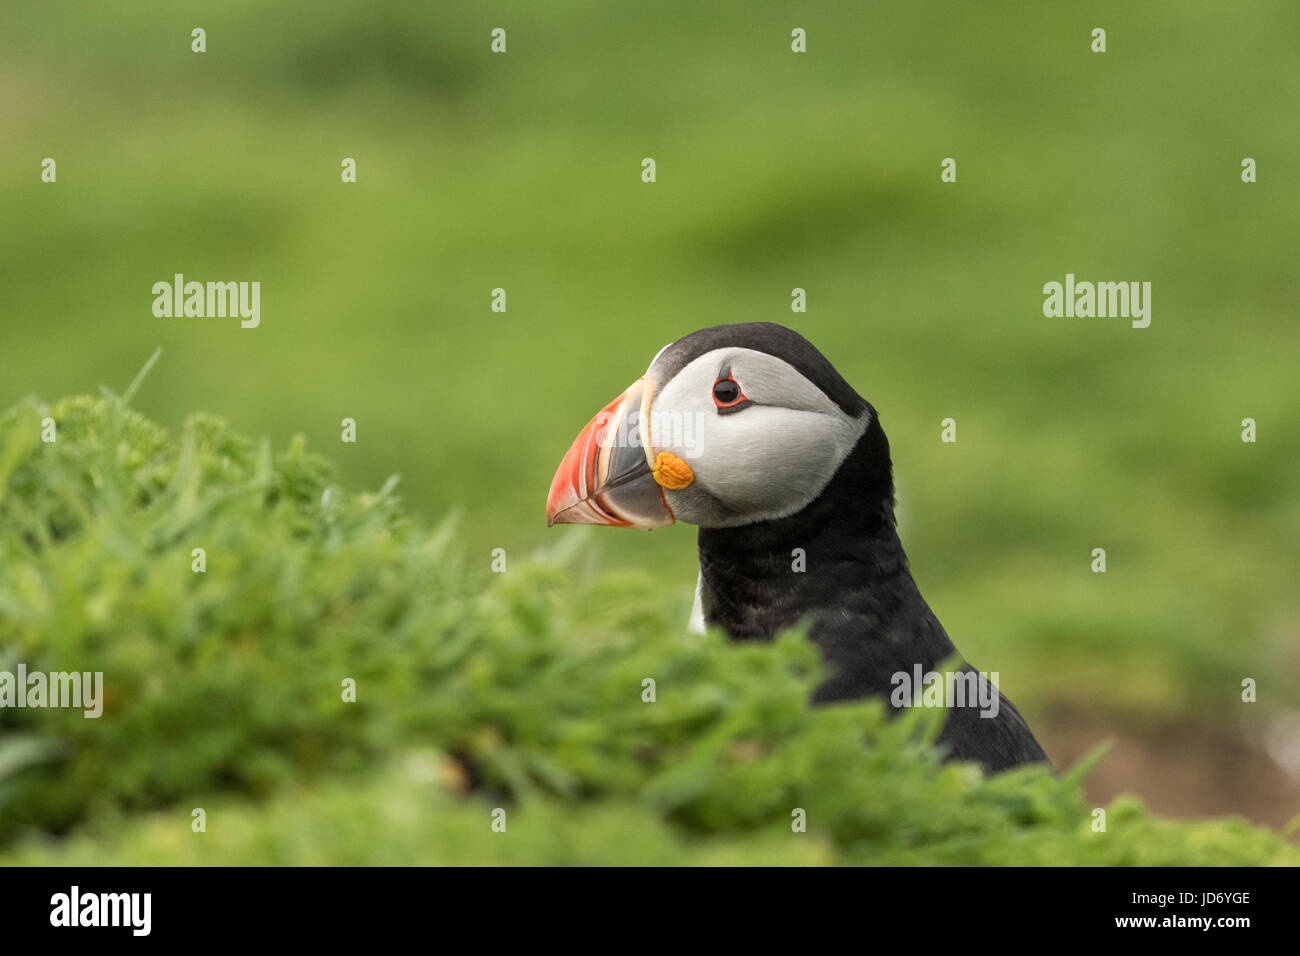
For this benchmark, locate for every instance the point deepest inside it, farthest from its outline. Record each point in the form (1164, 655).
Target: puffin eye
(727, 394)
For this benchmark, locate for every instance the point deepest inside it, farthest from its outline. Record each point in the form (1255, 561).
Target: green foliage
(521, 690)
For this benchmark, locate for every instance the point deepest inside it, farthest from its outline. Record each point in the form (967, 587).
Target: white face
(759, 462)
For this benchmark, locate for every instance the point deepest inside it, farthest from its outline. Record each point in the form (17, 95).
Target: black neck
(855, 566)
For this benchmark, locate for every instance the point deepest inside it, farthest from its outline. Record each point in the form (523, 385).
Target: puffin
(749, 433)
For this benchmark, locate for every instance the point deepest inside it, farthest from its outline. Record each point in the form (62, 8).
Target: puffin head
(729, 426)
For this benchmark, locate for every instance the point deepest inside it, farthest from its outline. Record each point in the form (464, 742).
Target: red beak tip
(578, 492)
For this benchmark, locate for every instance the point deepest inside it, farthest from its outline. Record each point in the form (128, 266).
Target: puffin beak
(606, 477)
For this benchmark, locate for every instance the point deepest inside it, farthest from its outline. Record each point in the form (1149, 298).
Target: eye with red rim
(727, 394)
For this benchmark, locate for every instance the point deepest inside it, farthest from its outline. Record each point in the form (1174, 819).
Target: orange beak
(606, 475)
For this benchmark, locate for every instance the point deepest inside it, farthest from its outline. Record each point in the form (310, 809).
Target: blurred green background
(775, 171)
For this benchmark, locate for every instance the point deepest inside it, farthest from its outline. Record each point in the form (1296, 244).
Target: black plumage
(866, 613)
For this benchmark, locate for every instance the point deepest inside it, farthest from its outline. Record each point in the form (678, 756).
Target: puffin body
(750, 433)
